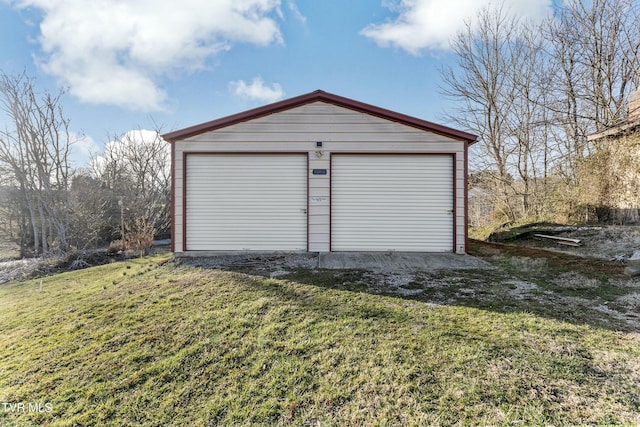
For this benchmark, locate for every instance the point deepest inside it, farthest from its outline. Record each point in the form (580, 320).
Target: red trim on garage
(393, 153)
(218, 153)
(321, 96)
(466, 198)
(455, 216)
(330, 202)
(308, 184)
(173, 197)
(184, 201)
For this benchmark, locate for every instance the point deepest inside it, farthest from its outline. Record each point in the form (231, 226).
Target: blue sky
(128, 64)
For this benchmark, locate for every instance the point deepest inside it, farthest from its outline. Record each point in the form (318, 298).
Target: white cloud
(431, 24)
(293, 7)
(82, 149)
(257, 90)
(114, 51)
(118, 147)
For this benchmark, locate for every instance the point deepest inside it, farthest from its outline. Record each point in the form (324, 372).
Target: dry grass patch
(575, 281)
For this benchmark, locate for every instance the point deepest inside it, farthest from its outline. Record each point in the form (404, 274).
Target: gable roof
(321, 96)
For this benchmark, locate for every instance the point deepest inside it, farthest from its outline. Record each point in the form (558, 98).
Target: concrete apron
(374, 261)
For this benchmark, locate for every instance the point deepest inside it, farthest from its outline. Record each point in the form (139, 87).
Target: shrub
(116, 246)
(139, 235)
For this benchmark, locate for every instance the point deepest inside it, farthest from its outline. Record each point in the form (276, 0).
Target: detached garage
(319, 173)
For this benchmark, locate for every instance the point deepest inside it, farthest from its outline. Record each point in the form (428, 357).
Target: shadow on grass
(556, 286)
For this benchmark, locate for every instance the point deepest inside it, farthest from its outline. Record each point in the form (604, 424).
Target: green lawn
(135, 343)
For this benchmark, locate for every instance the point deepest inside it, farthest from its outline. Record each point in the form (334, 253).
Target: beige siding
(319, 194)
(342, 131)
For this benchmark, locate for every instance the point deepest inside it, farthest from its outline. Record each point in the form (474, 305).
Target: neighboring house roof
(615, 130)
(322, 96)
(632, 122)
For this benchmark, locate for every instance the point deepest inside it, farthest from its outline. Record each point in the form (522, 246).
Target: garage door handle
(450, 211)
(304, 211)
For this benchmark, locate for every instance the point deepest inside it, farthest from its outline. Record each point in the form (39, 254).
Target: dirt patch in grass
(554, 259)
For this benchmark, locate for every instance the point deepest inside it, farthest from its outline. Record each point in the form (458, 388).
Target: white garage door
(392, 202)
(246, 202)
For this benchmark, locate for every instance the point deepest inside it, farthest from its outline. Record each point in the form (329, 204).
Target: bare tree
(534, 93)
(528, 124)
(496, 78)
(136, 169)
(34, 154)
(58, 209)
(90, 201)
(480, 84)
(596, 49)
